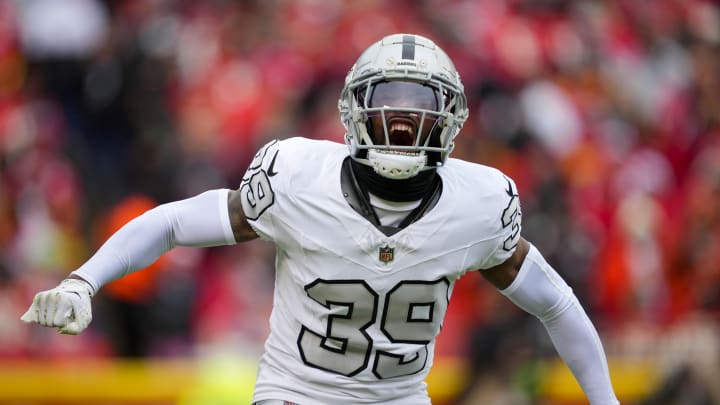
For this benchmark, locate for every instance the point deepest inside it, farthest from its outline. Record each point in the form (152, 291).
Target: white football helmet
(402, 106)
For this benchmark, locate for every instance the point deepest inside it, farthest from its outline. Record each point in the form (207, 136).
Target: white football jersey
(356, 312)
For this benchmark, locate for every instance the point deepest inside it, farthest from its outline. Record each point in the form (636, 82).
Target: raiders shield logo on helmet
(387, 254)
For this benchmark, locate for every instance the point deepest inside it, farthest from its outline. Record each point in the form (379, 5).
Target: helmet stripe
(408, 47)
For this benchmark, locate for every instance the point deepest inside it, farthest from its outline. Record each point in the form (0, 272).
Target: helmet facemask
(401, 120)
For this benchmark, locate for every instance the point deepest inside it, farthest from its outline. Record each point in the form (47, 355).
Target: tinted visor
(404, 95)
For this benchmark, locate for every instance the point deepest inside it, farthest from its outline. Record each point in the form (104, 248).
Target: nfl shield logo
(387, 254)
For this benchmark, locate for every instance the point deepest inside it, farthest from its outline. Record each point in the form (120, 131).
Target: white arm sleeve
(199, 221)
(539, 290)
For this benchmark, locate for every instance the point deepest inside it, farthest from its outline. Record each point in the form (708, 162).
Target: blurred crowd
(606, 113)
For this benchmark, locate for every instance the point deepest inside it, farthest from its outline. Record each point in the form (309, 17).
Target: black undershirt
(355, 191)
(412, 189)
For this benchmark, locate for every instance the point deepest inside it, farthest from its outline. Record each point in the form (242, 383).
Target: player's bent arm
(502, 275)
(241, 228)
(201, 221)
(533, 285)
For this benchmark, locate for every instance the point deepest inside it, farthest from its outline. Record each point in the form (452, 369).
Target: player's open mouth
(401, 133)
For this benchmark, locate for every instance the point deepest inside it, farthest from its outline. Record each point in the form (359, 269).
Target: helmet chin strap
(395, 165)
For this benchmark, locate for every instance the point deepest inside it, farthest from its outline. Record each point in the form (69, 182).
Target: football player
(371, 237)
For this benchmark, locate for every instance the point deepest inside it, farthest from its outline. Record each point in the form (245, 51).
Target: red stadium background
(606, 113)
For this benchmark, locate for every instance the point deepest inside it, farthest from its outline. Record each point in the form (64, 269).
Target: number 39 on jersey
(412, 315)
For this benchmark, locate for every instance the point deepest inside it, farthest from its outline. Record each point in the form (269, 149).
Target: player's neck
(412, 189)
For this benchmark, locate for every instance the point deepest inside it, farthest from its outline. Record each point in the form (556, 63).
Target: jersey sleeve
(507, 225)
(262, 185)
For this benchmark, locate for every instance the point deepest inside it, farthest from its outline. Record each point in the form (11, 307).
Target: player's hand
(66, 307)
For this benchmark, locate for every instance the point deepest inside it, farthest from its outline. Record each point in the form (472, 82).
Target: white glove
(66, 307)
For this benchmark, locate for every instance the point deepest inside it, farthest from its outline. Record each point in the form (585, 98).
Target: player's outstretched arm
(212, 218)
(533, 285)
